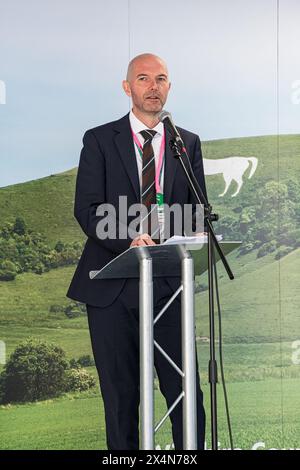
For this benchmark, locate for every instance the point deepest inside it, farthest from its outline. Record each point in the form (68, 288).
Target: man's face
(148, 85)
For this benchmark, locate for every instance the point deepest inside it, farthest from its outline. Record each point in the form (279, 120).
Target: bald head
(141, 59)
(147, 84)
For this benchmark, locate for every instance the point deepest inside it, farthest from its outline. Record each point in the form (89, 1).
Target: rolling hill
(251, 303)
(260, 312)
(47, 203)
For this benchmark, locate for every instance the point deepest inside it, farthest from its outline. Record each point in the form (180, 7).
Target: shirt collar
(138, 126)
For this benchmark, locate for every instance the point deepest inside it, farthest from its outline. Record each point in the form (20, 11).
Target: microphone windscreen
(163, 115)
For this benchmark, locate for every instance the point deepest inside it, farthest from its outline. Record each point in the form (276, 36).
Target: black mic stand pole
(179, 152)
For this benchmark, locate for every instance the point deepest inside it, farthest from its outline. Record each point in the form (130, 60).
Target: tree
(36, 370)
(6, 230)
(228, 226)
(266, 248)
(8, 271)
(59, 247)
(29, 251)
(270, 219)
(20, 226)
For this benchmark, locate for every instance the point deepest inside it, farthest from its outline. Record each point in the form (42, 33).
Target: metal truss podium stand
(145, 263)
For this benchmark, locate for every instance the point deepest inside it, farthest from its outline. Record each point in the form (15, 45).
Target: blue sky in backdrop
(62, 64)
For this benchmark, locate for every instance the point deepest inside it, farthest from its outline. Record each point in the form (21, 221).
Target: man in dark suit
(112, 164)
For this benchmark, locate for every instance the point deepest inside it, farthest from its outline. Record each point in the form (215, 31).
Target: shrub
(75, 309)
(19, 226)
(54, 308)
(8, 271)
(30, 252)
(79, 380)
(285, 250)
(36, 370)
(82, 361)
(2, 386)
(74, 364)
(39, 268)
(86, 361)
(266, 248)
(290, 237)
(200, 288)
(59, 247)
(246, 247)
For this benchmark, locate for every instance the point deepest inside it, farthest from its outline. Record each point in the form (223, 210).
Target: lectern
(144, 263)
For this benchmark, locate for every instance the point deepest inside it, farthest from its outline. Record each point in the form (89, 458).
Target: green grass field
(251, 310)
(26, 300)
(77, 422)
(263, 383)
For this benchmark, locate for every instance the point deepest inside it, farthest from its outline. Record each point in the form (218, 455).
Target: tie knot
(148, 135)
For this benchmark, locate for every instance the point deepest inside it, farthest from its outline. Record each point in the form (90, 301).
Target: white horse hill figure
(232, 169)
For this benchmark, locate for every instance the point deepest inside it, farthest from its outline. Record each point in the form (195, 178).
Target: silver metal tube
(146, 354)
(188, 354)
(166, 306)
(167, 357)
(169, 412)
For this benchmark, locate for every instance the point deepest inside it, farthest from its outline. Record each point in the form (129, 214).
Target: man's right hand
(142, 240)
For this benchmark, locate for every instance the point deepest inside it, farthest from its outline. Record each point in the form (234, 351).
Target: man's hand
(142, 240)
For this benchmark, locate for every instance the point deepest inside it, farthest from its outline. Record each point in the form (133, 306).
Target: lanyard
(160, 165)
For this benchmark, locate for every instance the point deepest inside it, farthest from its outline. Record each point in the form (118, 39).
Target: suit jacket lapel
(125, 145)
(126, 150)
(171, 164)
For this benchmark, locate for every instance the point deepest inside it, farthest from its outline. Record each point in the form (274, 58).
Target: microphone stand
(179, 151)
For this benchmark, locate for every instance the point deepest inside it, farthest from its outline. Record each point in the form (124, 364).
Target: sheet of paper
(177, 239)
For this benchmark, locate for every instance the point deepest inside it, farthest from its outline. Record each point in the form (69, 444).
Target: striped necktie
(150, 222)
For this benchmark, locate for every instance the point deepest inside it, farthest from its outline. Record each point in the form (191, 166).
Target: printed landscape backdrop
(236, 82)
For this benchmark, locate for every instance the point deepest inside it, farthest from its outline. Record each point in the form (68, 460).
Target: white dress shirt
(137, 126)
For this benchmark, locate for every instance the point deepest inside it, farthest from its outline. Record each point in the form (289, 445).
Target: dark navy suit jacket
(108, 169)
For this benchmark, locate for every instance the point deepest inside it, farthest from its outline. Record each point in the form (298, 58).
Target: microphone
(166, 118)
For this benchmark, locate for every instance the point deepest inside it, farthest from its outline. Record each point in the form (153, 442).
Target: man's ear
(126, 87)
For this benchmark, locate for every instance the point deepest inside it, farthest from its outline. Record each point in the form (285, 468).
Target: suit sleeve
(91, 192)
